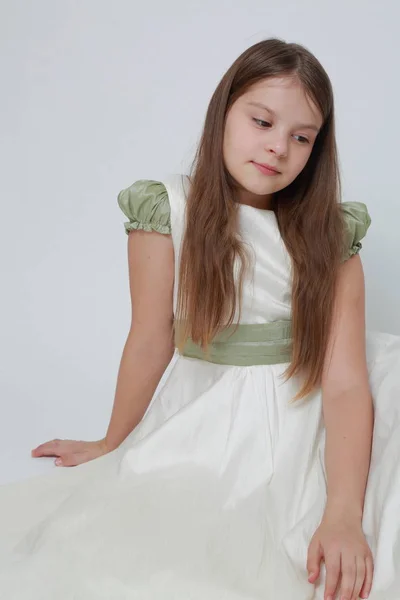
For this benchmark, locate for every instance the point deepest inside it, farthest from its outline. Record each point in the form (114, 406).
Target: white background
(97, 94)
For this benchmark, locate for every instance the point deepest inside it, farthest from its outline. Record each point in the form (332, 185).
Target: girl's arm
(348, 412)
(346, 398)
(150, 345)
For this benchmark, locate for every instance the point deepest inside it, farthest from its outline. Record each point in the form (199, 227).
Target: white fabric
(217, 492)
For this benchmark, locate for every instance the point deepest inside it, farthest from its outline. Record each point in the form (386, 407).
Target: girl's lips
(266, 170)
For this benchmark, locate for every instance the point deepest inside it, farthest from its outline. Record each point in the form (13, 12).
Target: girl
(245, 476)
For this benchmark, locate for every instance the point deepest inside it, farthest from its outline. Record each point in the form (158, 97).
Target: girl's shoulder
(154, 205)
(157, 205)
(146, 204)
(357, 221)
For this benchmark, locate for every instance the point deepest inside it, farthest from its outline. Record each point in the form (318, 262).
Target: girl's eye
(265, 124)
(302, 139)
(262, 123)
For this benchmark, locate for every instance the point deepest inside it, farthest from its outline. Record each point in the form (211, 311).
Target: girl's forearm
(349, 425)
(142, 365)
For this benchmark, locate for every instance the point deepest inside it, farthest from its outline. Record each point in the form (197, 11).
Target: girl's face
(274, 123)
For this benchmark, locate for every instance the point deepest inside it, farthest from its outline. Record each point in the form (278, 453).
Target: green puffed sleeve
(146, 205)
(357, 221)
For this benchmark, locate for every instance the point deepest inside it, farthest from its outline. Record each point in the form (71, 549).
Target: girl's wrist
(343, 509)
(108, 445)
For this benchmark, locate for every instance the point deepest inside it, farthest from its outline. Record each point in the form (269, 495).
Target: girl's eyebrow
(301, 126)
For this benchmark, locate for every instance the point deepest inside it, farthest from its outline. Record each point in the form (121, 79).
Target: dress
(216, 493)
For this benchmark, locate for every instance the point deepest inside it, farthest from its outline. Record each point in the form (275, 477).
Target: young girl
(245, 476)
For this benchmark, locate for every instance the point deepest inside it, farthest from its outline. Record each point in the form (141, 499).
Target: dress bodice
(267, 285)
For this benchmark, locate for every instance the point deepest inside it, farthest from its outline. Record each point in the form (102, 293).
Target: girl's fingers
(314, 561)
(58, 447)
(349, 572)
(369, 573)
(360, 577)
(332, 575)
(65, 460)
(71, 452)
(51, 448)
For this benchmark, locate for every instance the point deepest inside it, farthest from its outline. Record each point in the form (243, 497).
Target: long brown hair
(308, 214)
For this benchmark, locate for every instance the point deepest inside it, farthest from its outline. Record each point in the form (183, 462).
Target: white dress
(217, 492)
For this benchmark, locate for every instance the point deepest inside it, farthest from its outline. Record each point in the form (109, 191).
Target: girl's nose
(278, 146)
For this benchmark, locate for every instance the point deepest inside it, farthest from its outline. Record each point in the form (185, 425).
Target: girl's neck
(254, 200)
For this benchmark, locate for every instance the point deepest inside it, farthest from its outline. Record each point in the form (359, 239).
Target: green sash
(251, 344)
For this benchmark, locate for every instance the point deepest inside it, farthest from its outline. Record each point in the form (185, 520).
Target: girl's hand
(70, 453)
(340, 542)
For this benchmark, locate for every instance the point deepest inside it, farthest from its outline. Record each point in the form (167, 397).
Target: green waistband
(251, 344)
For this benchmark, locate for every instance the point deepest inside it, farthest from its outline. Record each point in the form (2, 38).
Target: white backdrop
(96, 95)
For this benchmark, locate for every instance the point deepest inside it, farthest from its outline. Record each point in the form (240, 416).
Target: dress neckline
(248, 206)
(258, 210)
